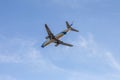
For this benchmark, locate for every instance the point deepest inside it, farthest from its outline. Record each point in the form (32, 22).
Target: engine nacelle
(47, 37)
(56, 44)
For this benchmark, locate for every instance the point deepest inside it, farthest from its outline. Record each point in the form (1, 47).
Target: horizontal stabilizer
(69, 27)
(74, 29)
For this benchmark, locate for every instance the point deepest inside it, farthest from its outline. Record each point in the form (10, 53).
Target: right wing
(66, 44)
(63, 43)
(50, 34)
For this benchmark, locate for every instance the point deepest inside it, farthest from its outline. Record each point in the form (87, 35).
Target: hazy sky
(95, 55)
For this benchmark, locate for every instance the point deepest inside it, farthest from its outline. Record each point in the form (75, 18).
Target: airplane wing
(63, 43)
(66, 44)
(50, 34)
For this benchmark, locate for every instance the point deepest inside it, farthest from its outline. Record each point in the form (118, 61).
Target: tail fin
(69, 27)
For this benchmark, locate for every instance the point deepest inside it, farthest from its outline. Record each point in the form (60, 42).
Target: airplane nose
(42, 46)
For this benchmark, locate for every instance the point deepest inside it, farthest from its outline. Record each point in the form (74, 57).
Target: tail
(69, 27)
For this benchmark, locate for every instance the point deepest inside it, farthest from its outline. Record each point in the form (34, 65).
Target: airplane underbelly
(59, 36)
(47, 42)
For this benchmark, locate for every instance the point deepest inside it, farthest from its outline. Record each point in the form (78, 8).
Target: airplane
(51, 38)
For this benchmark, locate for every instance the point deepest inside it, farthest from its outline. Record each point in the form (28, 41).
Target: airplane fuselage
(58, 36)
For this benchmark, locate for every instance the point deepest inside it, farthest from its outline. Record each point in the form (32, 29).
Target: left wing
(50, 34)
(63, 43)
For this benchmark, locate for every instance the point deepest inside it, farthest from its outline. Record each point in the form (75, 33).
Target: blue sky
(95, 55)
